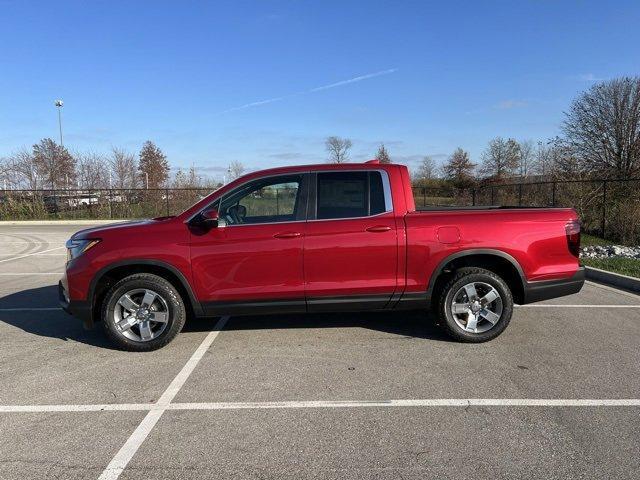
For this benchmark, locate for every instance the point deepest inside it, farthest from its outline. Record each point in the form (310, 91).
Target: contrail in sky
(353, 80)
(313, 90)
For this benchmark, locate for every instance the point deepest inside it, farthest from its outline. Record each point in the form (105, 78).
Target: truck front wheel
(475, 305)
(143, 312)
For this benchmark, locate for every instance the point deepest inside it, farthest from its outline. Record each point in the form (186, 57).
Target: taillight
(572, 229)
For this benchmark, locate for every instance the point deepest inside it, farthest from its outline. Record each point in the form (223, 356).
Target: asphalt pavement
(326, 396)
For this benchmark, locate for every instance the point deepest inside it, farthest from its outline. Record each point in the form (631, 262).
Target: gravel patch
(609, 251)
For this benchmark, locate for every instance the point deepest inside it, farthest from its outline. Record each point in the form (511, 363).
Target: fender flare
(474, 251)
(195, 304)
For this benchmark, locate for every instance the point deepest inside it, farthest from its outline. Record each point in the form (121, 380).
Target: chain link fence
(608, 208)
(97, 204)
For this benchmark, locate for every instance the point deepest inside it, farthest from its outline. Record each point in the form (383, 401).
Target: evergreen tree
(459, 168)
(383, 155)
(153, 165)
(54, 164)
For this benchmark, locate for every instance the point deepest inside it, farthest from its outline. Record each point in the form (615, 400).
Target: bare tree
(338, 149)
(459, 168)
(501, 158)
(426, 169)
(383, 155)
(236, 169)
(563, 163)
(527, 157)
(541, 164)
(21, 172)
(54, 163)
(602, 127)
(4, 173)
(153, 165)
(187, 180)
(123, 169)
(93, 171)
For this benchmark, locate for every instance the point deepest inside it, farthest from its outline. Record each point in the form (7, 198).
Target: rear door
(351, 242)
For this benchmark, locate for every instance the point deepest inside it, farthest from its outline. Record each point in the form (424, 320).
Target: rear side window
(349, 195)
(376, 195)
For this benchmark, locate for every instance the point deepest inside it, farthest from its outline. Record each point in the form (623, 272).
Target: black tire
(462, 277)
(174, 302)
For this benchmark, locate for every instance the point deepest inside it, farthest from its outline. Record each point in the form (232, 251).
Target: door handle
(287, 235)
(379, 228)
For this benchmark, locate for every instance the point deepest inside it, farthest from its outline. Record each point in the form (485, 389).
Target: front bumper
(547, 289)
(77, 308)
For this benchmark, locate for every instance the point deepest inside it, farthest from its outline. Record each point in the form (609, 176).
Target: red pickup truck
(319, 238)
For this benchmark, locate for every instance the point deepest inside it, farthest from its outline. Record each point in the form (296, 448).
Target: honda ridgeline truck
(319, 238)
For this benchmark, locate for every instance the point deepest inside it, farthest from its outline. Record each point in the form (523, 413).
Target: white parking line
(533, 305)
(24, 242)
(30, 254)
(145, 426)
(28, 274)
(37, 254)
(131, 446)
(31, 309)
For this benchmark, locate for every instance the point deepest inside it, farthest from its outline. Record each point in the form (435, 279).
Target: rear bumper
(76, 308)
(547, 289)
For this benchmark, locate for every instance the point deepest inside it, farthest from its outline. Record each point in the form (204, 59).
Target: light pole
(59, 104)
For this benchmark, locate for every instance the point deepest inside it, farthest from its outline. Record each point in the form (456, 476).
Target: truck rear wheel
(143, 312)
(475, 305)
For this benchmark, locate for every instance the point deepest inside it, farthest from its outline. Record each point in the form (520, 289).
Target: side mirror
(210, 217)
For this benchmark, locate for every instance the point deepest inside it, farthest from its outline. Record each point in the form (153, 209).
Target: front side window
(350, 195)
(266, 200)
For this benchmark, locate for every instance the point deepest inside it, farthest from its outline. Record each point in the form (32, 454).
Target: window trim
(308, 188)
(312, 205)
(303, 192)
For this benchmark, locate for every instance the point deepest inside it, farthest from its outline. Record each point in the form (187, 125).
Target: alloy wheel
(141, 315)
(476, 307)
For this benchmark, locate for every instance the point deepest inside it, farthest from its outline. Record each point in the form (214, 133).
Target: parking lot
(382, 395)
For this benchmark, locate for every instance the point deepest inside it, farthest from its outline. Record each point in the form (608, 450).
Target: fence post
(553, 194)
(492, 195)
(473, 196)
(519, 194)
(604, 208)
(424, 196)
(110, 204)
(55, 202)
(166, 195)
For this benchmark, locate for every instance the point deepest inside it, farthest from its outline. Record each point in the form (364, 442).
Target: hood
(111, 227)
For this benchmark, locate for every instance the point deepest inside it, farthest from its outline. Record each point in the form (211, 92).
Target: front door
(253, 259)
(351, 243)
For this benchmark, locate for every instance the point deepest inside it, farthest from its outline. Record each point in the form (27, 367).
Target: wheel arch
(107, 276)
(497, 261)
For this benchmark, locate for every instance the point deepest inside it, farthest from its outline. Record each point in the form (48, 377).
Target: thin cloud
(510, 104)
(589, 77)
(256, 104)
(353, 80)
(313, 90)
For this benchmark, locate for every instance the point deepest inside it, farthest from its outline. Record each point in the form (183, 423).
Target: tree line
(50, 166)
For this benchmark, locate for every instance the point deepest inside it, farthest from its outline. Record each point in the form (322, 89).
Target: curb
(616, 280)
(61, 222)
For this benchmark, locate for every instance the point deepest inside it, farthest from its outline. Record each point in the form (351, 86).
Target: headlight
(77, 247)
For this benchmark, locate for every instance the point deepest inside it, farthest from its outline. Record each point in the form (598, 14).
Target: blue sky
(265, 82)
